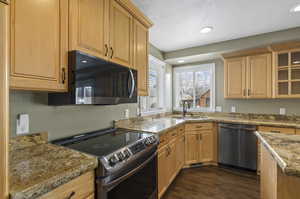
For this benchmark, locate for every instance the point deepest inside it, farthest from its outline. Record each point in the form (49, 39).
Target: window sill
(195, 110)
(154, 112)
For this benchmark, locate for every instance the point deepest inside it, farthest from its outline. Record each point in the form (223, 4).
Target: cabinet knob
(106, 50)
(112, 52)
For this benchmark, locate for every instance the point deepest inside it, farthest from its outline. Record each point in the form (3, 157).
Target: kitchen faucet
(185, 106)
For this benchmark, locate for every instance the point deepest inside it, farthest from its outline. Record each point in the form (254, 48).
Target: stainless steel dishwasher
(238, 146)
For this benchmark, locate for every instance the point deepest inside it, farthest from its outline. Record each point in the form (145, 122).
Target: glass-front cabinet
(287, 74)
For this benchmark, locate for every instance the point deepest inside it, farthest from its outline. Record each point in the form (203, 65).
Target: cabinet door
(268, 175)
(180, 152)
(89, 27)
(162, 170)
(172, 169)
(206, 147)
(191, 148)
(39, 44)
(259, 70)
(121, 34)
(235, 78)
(141, 56)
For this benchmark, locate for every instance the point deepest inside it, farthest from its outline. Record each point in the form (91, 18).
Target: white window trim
(158, 111)
(194, 68)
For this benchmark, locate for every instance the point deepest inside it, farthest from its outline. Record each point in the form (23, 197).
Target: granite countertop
(285, 149)
(164, 124)
(37, 167)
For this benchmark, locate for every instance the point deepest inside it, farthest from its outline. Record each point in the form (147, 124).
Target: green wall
(62, 121)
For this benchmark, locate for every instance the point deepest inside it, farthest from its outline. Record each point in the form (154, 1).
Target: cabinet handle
(106, 50)
(200, 136)
(71, 195)
(199, 127)
(249, 92)
(275, 132)
(63, 75)
(112, 52)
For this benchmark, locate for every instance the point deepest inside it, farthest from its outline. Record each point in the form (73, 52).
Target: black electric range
(126, 158)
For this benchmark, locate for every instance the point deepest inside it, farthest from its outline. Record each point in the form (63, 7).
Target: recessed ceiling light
(296, 8)
(181, 61)
(206, 29)
(84, 61)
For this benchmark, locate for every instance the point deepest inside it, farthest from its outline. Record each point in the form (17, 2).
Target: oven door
(139, 183)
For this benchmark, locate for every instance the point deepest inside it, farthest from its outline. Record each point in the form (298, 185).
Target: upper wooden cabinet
(259, 76)
(235, 77)
(121, 34)
(248, 77)
(287, 73)
(43, 32)
(88, 27)
(141, 56)
(39, 45)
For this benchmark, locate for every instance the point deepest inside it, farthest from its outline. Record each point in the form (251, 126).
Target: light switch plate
(282, 111)
(22, 124)
(218, 108)
(233, 109)
(126, 113)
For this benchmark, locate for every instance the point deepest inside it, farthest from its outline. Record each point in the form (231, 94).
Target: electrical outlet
(126, 113)
(233, 109)
(282, 111)
(22, 124)
(218, 108)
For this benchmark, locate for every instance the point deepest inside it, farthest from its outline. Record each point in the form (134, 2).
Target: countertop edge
(275, 155)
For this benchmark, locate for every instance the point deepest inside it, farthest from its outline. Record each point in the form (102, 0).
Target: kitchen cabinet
(199, 144)
(287, 73)
(259, 76)
(180, 149)
(170, 158)
(235, 77)
(39, 45)
(121, 34)
(141, 52)
(163, 154)
(248, 76)
(82, 187)
(297, 131)
(88, 27)
(274, 183)
(4, 99)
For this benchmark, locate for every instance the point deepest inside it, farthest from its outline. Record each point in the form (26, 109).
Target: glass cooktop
(104, 144)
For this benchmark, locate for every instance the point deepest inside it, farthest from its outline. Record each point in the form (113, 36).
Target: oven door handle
(132, 83)
(132, 172)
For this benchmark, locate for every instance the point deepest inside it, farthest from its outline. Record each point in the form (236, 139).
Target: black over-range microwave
(96, 81)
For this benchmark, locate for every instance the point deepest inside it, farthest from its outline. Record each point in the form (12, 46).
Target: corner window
(155, 102)
(196, 85)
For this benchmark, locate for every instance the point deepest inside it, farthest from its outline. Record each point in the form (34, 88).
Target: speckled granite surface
(285, 149)
(39, 167)
(161, 125)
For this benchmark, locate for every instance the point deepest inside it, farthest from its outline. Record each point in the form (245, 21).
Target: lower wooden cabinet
(199, 145)
(82, 187)
(170, 159)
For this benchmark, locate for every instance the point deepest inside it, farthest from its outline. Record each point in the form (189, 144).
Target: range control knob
(121, 156)
(113, 160)
(127, 153)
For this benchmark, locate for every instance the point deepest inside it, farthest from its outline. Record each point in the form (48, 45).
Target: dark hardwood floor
(214, 183)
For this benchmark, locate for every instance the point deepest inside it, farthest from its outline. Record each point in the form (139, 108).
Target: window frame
(161, 87)
(194, 69)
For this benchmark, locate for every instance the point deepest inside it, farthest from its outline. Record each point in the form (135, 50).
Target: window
(196, 85)
(155, 102)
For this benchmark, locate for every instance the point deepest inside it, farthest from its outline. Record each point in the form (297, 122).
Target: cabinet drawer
(198, 126)
(173, 133)
(277, 130)
(181, 130)
(297, 131)
(163, 139)
(81, 188)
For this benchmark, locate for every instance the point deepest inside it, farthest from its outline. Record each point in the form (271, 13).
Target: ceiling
(178, 23)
